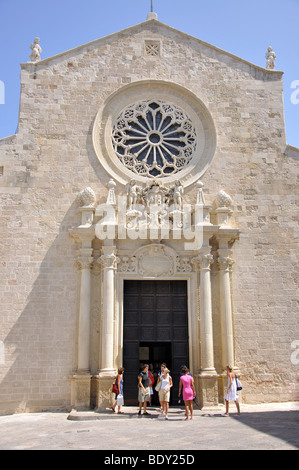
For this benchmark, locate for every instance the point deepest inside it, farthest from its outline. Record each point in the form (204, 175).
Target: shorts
(142, 397)
(164, 395)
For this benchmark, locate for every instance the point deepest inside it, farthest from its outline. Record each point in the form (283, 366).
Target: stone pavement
(260, 427)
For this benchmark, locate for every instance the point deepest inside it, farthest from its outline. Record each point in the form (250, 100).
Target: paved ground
(263, 427)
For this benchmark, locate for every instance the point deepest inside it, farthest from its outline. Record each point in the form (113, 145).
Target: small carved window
(152, 48)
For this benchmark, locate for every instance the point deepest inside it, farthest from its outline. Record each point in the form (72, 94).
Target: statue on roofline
(36, 51)
(271, 57)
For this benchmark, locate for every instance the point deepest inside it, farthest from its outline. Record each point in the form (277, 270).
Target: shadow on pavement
(281, 424)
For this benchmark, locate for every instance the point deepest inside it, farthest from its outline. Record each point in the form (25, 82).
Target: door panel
(155, 313)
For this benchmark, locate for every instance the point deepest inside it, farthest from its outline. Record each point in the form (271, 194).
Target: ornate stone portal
(150, 232)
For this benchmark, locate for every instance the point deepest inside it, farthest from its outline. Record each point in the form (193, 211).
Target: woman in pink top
(188, 392)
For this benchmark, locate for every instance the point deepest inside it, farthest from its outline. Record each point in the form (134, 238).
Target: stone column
(109, 262)
(84, 235)
(84, 264)
(225, 263)
(104, 380)
(81, 380)
(206, 323)
(225, 238)
(207, 379)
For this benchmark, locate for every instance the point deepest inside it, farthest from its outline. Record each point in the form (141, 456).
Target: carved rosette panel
(128, 264)
(155, 261)
(183, 265)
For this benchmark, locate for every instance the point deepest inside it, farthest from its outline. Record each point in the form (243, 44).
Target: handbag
(239, 385)
(115, 388)
(120, 400)
(158, 386)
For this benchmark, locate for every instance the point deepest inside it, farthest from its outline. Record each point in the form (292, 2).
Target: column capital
(109, 259)
(203, 261)
(225, 263)
(83, 262)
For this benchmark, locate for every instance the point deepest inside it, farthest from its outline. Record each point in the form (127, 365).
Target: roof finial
(152, 15)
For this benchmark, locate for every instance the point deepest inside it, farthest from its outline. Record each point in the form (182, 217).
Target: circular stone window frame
(163, 91)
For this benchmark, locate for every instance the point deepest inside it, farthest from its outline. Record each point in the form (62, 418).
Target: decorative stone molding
(84, 263)
(202, 261)
(224, 211)
(109, 260)
(86, 198)
(183, 264)
(111, 199)
(155, 261)
(155, 206)
(225, 263)
(152, 48)
(128, 264)
(223, 200)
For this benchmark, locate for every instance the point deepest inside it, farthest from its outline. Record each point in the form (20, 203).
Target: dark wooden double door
(155, 331)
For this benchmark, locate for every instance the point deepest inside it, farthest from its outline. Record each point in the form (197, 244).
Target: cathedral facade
(149, 213)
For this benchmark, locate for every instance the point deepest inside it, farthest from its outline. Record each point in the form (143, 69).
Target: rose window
(154, 138)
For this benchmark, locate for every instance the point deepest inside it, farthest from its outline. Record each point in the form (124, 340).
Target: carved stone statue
(133, 192)
(36, 51)
(270, 56)
(177, 194)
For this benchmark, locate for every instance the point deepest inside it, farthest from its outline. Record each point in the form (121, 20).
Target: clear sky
(243, 28)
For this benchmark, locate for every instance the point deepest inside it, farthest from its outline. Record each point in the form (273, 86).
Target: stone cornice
(145, 25)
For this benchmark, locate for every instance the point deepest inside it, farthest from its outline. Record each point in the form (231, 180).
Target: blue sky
(243, 28)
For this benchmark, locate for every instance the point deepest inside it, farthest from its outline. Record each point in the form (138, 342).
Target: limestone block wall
(51, 159)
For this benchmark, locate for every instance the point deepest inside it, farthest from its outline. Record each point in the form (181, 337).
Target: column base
(80, 391)
(206, 385)
(211, 372)
(104, 398)
(107, 373)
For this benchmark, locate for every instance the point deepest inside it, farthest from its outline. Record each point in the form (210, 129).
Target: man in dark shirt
(143, 389)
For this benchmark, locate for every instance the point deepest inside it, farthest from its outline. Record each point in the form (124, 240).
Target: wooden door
(155, 312)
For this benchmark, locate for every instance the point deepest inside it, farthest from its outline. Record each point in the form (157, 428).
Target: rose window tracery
(154, 138)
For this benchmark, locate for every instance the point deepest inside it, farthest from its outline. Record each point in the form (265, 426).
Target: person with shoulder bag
(143, 389)
(117, 388)
(231, 394)
(164, 392)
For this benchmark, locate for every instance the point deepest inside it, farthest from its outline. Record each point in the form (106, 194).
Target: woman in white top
(164, 392)
(231, 394)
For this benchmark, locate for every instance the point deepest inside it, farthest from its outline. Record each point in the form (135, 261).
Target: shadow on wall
(40, 346)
